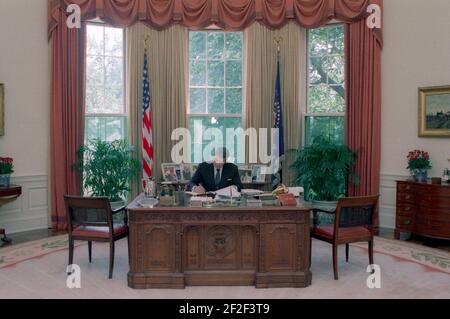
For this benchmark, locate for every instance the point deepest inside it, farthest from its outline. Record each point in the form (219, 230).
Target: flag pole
(278, 40)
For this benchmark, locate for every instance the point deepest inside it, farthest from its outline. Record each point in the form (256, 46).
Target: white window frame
(306, 113)
(189, 115)
(124, 116)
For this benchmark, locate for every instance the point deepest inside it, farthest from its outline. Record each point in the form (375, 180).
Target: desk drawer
(404, 222)
(406, 209)
(404, 187)
(405, 197)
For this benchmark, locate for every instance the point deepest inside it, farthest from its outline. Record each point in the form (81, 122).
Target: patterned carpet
(37, 270)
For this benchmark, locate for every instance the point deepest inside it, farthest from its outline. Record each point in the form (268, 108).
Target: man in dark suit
(213, 176)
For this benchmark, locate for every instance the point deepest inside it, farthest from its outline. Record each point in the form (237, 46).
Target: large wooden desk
(171, 247)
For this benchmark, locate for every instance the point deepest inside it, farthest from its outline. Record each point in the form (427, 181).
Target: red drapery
(363, 114)
(228, 14)
(363, 74)
(66, 116)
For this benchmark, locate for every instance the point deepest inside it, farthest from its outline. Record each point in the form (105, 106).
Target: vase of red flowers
(6, 169)
(418, 164)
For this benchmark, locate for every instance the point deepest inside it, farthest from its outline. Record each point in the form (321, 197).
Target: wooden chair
(92, 219)
(353, 222)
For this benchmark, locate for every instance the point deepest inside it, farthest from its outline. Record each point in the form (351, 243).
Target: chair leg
(111, 259)
(335, 266)
(371, 252)
(347, 249)
(90, 251)
(71, 248)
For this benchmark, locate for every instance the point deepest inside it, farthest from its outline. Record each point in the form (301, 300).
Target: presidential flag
(278, 144)
(147, 134)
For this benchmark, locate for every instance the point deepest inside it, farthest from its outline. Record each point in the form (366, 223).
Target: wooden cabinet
(423, 209)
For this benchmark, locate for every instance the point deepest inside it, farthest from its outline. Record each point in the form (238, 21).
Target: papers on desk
(251, 192)
(226, 192)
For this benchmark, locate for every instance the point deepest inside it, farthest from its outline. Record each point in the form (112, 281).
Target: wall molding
(31, 210)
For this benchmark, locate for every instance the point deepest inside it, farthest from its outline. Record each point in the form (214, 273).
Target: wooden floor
(19, 238)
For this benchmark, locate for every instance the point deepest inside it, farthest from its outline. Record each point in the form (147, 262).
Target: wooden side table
(8, 195)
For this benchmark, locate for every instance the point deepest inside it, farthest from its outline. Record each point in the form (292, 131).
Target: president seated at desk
(219, 174)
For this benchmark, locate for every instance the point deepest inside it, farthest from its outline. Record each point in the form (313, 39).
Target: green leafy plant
(324, 168)
(107, 168)
(6, 165)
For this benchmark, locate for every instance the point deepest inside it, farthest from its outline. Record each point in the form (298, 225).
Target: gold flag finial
(278, 39)
(146, 40)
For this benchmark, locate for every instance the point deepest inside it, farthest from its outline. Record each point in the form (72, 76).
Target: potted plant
(6, 169)
(324, 169)
(107, 169)
(418, 164)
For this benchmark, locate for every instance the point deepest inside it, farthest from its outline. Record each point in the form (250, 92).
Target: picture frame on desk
(171, 172)
(258, 175)
(245, 173)
(186, 172)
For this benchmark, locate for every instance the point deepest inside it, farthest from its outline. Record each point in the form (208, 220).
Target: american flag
(147, 134)
(277, 124)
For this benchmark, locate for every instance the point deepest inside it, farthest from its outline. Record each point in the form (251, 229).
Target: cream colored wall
(24, 69)
(416, 53)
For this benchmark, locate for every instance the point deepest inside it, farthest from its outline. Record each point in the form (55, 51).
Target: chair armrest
(118, 210)
(315, 211)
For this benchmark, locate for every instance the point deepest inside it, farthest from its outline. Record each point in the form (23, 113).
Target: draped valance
(227, 14)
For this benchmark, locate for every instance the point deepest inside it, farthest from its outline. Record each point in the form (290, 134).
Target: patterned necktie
(217, 178)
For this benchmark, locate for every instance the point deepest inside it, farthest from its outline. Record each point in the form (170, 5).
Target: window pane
(215, 45)
(216, 101)
(336, 39)
(326, 99)
(331, 127)
(114, 100)
(233, 45)
(326, 74)
(95, 40)
(95, 68)
(234, 101)
(113, 42)
(216, 73)
(105, 128)
(114, 128)
(197, 73)
(335, 69)
(197, 45)
(197, 101)
(95, 128)
(317, 73)
(114, 71)
(318, 42)
(234, 73)
(94, 99)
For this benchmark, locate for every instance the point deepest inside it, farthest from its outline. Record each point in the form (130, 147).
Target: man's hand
(199, 189)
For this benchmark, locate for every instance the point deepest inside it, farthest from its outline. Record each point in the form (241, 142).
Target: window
(215, 88)
(326, 84)
(105, 99)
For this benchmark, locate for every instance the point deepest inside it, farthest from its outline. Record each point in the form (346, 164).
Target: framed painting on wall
(2, 109)
(434, 111)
